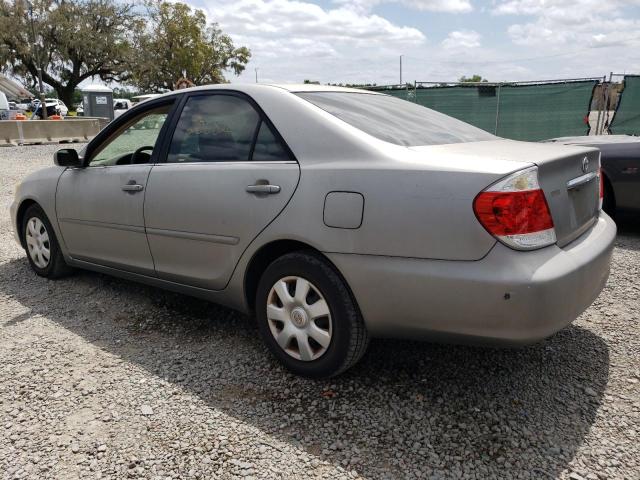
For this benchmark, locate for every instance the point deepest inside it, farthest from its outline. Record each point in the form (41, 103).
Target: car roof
(311, 87)
(253, 87)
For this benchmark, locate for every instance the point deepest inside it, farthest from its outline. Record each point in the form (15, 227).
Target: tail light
(601, 177)
(515, 211)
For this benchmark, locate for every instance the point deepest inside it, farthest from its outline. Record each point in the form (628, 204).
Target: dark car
(620, 157)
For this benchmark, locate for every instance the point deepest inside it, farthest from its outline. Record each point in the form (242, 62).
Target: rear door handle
(134, 187)
(263, 188)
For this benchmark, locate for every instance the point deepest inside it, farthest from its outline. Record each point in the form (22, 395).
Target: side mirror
(67, 157)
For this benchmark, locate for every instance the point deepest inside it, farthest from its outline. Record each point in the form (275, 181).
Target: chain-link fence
(534, 110)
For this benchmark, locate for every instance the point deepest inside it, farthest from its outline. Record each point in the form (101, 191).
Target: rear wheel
(308, 318)
(41, 245)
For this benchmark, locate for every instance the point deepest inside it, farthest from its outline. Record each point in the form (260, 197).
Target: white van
(4, 107)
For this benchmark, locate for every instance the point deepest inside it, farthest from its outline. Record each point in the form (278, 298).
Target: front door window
(134, 142)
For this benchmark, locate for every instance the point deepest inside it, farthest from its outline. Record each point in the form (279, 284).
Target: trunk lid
(567, 175)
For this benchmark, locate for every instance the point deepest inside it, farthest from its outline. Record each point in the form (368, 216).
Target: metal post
(495, 132)
(605, 118)
(256, 74)
(43, 103)
(401, 69)
(601, 106)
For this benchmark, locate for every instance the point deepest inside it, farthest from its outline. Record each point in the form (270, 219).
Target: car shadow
(520, 412)
(628, 223)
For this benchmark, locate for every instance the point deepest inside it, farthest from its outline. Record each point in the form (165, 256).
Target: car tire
(335, 341)
(39, 241)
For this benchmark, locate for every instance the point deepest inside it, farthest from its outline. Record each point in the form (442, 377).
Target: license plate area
(583, 199)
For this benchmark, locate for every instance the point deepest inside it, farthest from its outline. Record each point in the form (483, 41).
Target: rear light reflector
(515, 211)
(601, 177)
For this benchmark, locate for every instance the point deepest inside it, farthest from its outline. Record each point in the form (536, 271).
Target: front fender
(39, 187)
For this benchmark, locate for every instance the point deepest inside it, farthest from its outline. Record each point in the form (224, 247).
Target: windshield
(394, 120)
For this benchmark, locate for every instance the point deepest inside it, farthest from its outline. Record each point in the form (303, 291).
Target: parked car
(80, 110)
(121, 105)
(60, 107)
(24, 104)
(4, 107)
(52, 109)
(620, 158)
(332, 214)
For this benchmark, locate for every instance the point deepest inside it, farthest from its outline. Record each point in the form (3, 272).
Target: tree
(474, 79)
(179, 43)
(76, 40)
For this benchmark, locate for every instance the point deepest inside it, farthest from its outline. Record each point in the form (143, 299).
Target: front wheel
(41, 245)
(308, 318)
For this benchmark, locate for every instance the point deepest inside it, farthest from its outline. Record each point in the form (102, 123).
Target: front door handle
(263, 188)
(132, 187)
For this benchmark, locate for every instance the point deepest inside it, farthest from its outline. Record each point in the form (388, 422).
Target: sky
(360, 41)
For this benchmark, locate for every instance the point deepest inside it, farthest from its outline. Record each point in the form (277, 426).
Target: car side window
(214, 128)
(126, 146)
(268, 148)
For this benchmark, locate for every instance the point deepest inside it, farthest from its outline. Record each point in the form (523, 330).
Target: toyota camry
(332, 215)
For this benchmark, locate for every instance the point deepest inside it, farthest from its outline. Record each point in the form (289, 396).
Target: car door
(100, 206)
(227, 174)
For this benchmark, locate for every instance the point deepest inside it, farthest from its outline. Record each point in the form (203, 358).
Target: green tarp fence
(522, 112)
(627, 117)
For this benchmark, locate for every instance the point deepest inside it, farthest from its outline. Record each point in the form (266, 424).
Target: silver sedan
(333, 215)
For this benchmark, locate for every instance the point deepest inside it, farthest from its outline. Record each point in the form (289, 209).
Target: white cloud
(583, 23)
(293, 40)
(462, 39)
(292, 19)
(352, 41)
(453, 6)
(449, 6)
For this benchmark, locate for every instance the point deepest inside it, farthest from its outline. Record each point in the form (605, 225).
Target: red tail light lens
(515, 211)
(601, 187)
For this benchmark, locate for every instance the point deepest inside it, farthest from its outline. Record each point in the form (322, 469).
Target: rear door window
(268, 148)
(214, 128)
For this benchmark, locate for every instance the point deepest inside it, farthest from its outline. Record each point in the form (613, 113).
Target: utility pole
(401, 69)
(256, 74)
(43, 103)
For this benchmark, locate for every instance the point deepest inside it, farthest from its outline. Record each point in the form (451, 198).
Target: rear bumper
(508, 297)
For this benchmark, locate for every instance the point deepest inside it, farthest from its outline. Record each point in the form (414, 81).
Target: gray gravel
(104, 378)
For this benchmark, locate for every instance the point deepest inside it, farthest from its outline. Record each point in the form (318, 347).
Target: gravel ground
(104, 378)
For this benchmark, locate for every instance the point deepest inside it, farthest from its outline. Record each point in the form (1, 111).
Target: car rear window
(394, 120)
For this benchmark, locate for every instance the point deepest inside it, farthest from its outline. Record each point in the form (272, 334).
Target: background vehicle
(24, 104)
(121, 105)
(620, 157)
(332, 214)
(4, 107)
(52, 109)
(59, 105)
